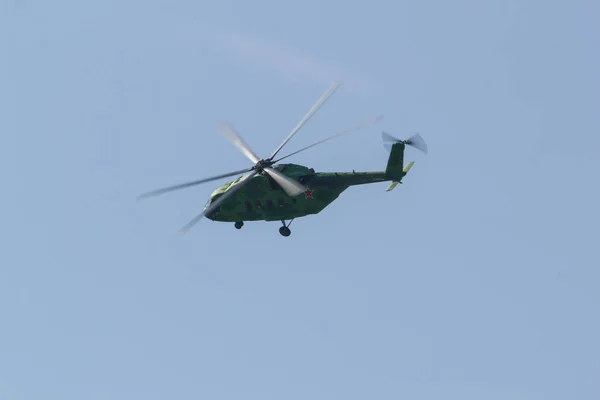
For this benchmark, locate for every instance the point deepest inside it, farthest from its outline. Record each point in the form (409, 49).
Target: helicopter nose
(208, 203)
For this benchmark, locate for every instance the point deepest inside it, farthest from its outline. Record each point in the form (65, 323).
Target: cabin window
(269, 204)
(280, 203)
(294, 200)
(258, 204)
(248, 205)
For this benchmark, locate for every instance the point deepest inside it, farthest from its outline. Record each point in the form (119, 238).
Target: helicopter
(271, 191)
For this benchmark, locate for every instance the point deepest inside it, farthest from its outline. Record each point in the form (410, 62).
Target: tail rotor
(415, 141)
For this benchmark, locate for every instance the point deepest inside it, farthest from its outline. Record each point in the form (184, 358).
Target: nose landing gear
(238, 225)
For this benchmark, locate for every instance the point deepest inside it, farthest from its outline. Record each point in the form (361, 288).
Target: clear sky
(475, 279)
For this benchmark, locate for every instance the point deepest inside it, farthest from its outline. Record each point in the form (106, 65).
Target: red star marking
(308, 194)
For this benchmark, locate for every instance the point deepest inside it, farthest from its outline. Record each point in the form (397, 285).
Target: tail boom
(394, 172)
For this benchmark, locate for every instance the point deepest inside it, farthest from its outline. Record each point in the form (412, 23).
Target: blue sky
(477, 278)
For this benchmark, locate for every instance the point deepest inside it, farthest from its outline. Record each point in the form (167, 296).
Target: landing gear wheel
(285, 231)
(238, 225)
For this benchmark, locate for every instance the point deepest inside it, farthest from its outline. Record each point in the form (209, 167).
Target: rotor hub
(261, 165)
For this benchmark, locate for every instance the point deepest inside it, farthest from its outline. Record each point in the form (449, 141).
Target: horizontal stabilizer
(392, 186)
(407, 168)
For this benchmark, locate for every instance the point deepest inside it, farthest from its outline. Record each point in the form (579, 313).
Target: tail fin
(395, 170)
(405, 171)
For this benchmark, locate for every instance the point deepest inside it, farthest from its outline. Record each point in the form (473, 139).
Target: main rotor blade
(229, 132)
(354, 128)
(217, 203)
(289, 185)
(188, 184)
(334, 86)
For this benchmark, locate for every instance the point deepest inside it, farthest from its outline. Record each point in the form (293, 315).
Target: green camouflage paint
(263, 200)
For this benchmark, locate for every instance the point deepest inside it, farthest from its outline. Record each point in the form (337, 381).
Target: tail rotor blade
(230, 133)
(389, 138)
(217, 203)
(417, 142)
(334, 86)
(289, 185)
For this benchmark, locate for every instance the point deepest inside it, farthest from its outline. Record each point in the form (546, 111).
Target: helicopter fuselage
(263, 200)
